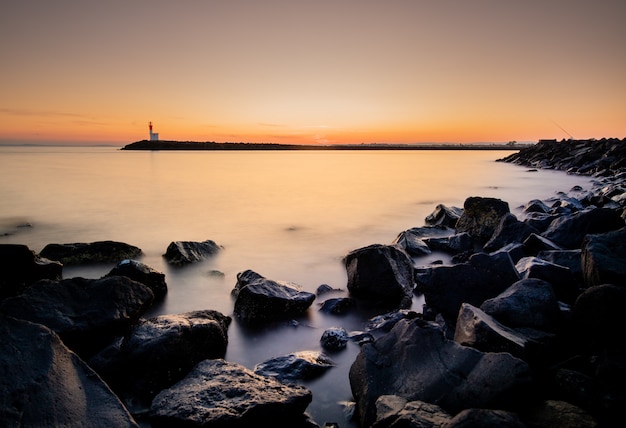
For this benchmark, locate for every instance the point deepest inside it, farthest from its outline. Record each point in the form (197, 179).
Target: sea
(287, 215)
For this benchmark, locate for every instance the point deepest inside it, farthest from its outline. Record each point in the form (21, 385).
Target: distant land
(210, 145)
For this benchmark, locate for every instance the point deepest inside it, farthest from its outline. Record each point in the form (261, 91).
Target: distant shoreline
(210, 145)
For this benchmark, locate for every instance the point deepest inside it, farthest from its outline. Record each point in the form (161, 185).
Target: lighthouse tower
(153, 136)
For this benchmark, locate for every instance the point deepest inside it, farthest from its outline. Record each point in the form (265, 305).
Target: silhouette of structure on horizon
(154, 136)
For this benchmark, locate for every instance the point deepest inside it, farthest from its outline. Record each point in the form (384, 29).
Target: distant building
(154, 136)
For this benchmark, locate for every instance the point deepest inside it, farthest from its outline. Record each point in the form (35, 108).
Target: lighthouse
(153, 136)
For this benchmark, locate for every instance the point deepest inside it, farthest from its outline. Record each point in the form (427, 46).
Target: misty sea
(288, 215)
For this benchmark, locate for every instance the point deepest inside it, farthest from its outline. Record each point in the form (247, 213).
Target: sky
(312, 72)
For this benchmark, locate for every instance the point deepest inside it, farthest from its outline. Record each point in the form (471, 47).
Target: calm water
(287, 215)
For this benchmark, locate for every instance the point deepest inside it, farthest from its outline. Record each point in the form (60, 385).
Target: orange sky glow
(312, 72)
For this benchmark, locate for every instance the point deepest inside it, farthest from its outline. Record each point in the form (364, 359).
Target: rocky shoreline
(523, 328)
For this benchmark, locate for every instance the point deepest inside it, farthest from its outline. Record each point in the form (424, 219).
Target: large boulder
(415, 361)
(509, 230)
(20, 267)
(571, 259)
(604, 258)
(483, 277)
(159, 352)
(222, 394)
(380, 273)
(86, 313)
(44, 384)
(481, 217)
(93, 252)
(185, 252)
(569, 231)
(395, 412)
(141, 272)
(303, 365)
(457, 243)
(260, 299)
(444, 216)
(560, 278)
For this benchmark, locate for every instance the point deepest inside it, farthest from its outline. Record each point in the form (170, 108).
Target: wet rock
(20, 267)
(485, 418)
(444, 216)
(141, 272)
(481, 217)
(571, 259)
(86, 313)
(510, 230)
(536, 243)
(44, 384)
(604, 258)
(325, 289)
(457, 243)
(338, 306)
(334, 339)
(536, 206)
(260, 299)
(185, 252)
(380, 273)
(159, 352)
(514, 250)
(303, 365)
(557, 414)
(415, 361)
(412, 244)
(386, 321)
(394, 411)
(569, 231)
(93, 252)
(563, 282)
(224, 394)
(540, 221)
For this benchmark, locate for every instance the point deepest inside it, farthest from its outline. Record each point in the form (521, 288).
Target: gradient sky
(339, 71)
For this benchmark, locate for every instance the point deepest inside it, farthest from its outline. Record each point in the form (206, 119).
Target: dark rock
(482, 278)
(334, 339)
(510, 230)
(324, 289)
(20, 267)
(412, 244)
(527, 303)
(143, 273)
(540, 221)
(536, 206)
(44, 384)
(394, 411)
(94, 252)
(570, 259)
(485, 418)
(361, 337)
(86, 313)
(303, 365)
(444, 216)
(386, 321)
(481, 217)
(415, 361)
(514, 250)
(185, 252)
(557, 414)
(261, 299)
(224, 394)
(570, 230)
(380, 273)
(537, 243)
(159, 352)
(604, 258)
(457, 243)
(338, 306)
(563, 282)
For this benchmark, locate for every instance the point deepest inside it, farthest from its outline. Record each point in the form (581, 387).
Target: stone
(334, 338)
(457, 243)
(485, 418)
(413, 244)
(260, 299)
(218, 393)
(20, 267)
(159, 352)
(44, 384)
(571, 259)
(338, 306)
(141, 272)
(604, 258)
(444, 216)
(184, 252)
(394, 411)
(514, 250)
(536, 243)
(93, 252)
(536, 206)
(481, 217)
(380, 273)
(386, 321)
(414, 361)
(557, 414)
(560, 278)
(87, 313)
(569, 231)
(302, 365)
(510, 230)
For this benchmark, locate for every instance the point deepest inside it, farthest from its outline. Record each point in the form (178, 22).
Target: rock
(380, 273)
(143, 273)
(527, 303)
(415, 361)
(444, 216)
(412, 244)
(159, 352)
(481, 217)
(483, 277)
(536, 206)
(485, 418)
(571, 259)
(20, 267)
(338, 306)
(185, 252)
(386, 321)
(261, 299)
(537, 243)
(457, 243)
(44, 384)
(394, 411)
(324, 289)
(557, 414)
(94, 252)
(218, 393)
(514, 250)
(303, 365)
(569, 231)
(334, 338)
(86, 313)
(540, 221)
(604, 258)
(563, 282)
(510, 230)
